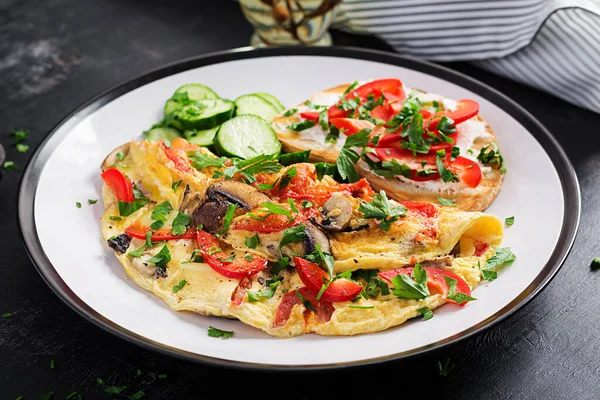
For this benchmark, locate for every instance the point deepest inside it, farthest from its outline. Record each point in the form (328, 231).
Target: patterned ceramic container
(290, 22)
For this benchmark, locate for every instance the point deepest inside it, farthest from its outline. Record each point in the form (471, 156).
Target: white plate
(540, 190)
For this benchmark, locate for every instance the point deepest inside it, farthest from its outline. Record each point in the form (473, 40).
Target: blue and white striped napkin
(553, 45)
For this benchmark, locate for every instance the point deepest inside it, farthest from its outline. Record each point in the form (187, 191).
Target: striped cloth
(552, 45)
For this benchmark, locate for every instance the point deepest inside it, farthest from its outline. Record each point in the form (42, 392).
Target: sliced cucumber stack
(255, 105)
(203, 138)
(165, 134)
(246, 136)
(204, 114)
(196, 91)
(273, 100)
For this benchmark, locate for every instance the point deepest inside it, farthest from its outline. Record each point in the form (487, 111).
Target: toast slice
(474, 134)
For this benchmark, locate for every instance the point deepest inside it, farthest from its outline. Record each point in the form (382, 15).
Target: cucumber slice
(201, 138)
(162, 133)
(197, 91)
(171, 107)
(273, 100)
(255, 105)
(246, 136)
(204, 114)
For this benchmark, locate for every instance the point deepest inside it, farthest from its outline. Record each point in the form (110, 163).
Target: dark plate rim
(31, 175)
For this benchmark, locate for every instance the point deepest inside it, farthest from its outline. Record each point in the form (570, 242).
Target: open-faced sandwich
(419, 146)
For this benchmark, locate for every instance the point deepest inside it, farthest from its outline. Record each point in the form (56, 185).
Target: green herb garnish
(180, 223)
(302, 125)
(348, 157)
(20, 135)
(77, 204)
(22, 148)
(127, 208)
(447, 202)
(294, 234)
(446, 367)
(10, 166)
(252, 241)
(307, 304)
(137, 252)
(218, 333)
(426, 313)
(406, 287)
(179, 286)
(175, 185)
(458, 297)
(289, 112)
(382, 210)
(509, 221)
(161, 258)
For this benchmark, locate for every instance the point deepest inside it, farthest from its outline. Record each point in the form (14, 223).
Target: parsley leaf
(175, 185)
(351, 87)
(228, 217)
(382, 210)
(324, 119)
(333, 135)
(458, 297)
(294, 234)
(503, 256)
(287, 177)
(487, 274)
(426, 313)
(374, 286)
(595, 264)
(277, 209)
(10, 166)
(114, 389)
(258, 295)
(120, 156)
(509, 221)
(180, 223)
(446, 126)
(161, 211)
(490, 155)
(156, 225)
(22, 148)
(92, 201)
(306, 204)
(348, 157)
(179, 286)
(7, 315)
(138, 252)
(218, 333)
(161, 258)
(302, 125)
(77, 204)
(201, 161)
(445, 173)
(416, 142)
(252, 241)
(324, 168)
(349, 104)
(406, 287)
(361, 307)
(20, 135)
(281, 264)
(389, 169)
(289, 112)
(47, 396)
(447, 202)
(149, 239)
(127, 208)
(263, 163)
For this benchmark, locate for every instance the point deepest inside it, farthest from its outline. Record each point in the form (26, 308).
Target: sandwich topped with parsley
(415, 145)
(288, 246)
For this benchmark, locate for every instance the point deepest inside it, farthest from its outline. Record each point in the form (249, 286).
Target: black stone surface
(55, 54)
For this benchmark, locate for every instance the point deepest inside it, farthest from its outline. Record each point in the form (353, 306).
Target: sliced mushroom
(112, 158)
(119, 243)
(313, 237)
(210, 210)
(238, 193)
(337, 213)
(439, 262)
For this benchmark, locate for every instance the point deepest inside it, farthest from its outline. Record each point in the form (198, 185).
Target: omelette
(283, 248)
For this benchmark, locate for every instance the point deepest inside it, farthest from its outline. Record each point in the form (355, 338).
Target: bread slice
(398, 188)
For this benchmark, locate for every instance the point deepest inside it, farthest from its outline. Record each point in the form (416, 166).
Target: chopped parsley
(503, 256)
(179, 286)
(281, 264)
(324, 168)
(361, 307)
(273, 208)
(294, 234)
(201, 161)
(218, 333)
(447, 202)
(10, 166)
(333, 135)
(20, 135)
(248, 168)
(47, 396)
(249, 257)
(175, 185)
(306, 204)
(509, 221)
(115, 389)
(287, 177)
(375, 285)
(348, 157)
(458, 297)
(92, 201)
(180, 223)
(162, 376)
(445, 173)
(73, 395)
(406, 287)
(323, 119)
(349, 104)
(52, 364)
(595, 264)
(127, 208)
(161, 211)
(252, 241)
(77, 204)
(120, 156)
(426, 313)
(258, 295)
(382, 210)
(446, 126)
(445, 368)
(149, 239)
(487, 274)
(161, 258)
(302, 125)
(156, 225)
(490, 155)
(351, 87)
(22, 148)
(289, 112)
(7, 315)
(137, 252)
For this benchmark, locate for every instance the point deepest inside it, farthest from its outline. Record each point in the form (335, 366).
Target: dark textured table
(55, 54)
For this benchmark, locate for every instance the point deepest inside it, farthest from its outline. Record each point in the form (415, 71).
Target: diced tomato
(383, 112)
(435, 280)
(138, 231)
(273, 223)
(395, 101)
(468, 171)
(237, 269)
(480, 248)
(425, 209)
(314, 277)
(361, 189)
(119, 183)
(310, 115)
(178, 156)
(240, 291)
(350, 126)
(182, 144)
(324, 308)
